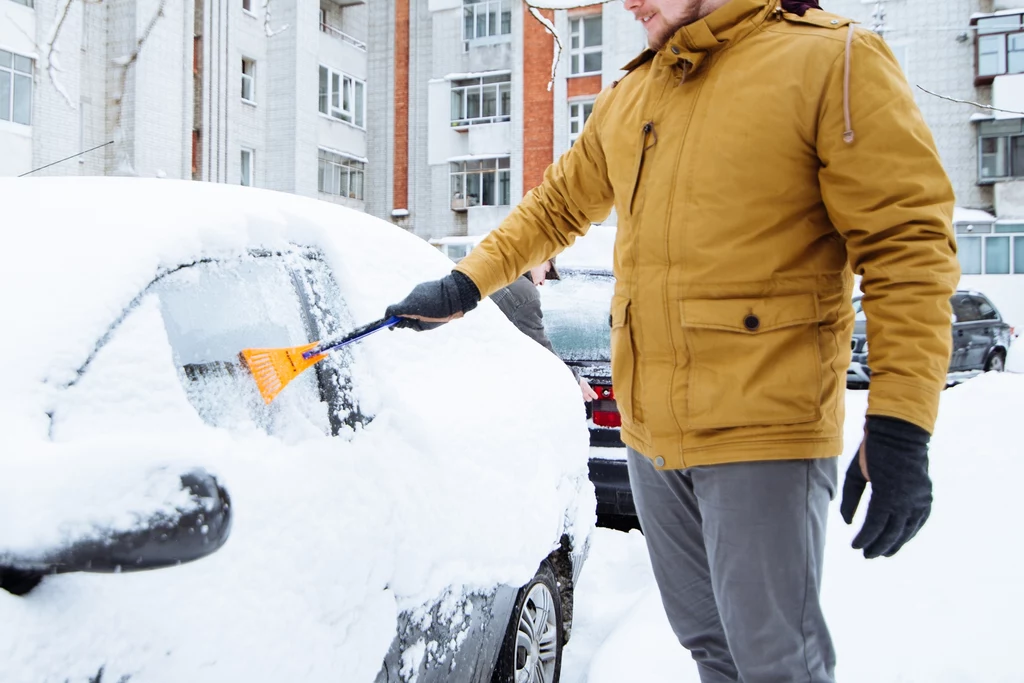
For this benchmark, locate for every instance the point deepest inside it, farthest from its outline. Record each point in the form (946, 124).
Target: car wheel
(532, 649)
(996, 362)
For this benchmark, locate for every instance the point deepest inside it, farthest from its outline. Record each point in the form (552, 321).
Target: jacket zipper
(647, 130)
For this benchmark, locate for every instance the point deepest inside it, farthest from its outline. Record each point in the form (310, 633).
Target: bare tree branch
(973, 104)
(536, 5)
(126, 63)
(550, 28)
(266, 21)
(52, 63)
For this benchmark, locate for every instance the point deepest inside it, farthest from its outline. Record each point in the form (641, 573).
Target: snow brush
(273, 369)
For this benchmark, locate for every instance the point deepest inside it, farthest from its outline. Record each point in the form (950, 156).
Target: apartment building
(257, 92)
(465, 122)
(955, 52)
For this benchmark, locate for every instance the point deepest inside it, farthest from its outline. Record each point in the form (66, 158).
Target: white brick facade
(152, 124)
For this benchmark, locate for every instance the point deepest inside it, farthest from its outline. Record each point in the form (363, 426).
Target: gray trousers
(737, 552)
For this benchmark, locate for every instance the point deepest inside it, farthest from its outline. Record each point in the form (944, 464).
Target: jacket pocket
(623, 361)
(753, 362)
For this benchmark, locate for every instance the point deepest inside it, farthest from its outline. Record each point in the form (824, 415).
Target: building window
(196, 146)
(342, 97)
(991, 249)
(248, 167)
(26, 3)
(585, 45)
(579, 112)
(340, 175)
(481, 182)
(15, 88)
(487, 99)
(1000, 46)
(486, 18)
(249, 80)
(247, 5)
(1000, 150)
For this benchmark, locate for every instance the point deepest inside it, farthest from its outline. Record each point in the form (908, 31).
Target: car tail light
(607, 418)
(605, 412)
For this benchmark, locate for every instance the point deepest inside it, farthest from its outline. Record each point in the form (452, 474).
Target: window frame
(17, 75)
(578, 55)
(351, 90)
(493, 175)
(247, 7)
(482, 85)
(1008, 135)
(1010, 234)
(353, 168)
(502, 31)
(249, 78)
(1003, 31)
(580, 117)
(251, 153)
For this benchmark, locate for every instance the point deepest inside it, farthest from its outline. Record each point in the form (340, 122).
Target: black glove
(896, 453)
(432, 304)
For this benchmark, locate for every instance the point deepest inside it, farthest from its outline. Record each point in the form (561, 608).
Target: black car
(981, 340)
(576, 320)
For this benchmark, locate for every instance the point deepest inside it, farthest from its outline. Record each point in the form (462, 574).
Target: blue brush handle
(353, 336)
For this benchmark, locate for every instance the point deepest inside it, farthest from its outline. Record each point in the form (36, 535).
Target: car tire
(996, 362)
(531, 651)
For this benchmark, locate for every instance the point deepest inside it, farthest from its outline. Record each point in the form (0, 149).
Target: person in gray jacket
(520, 302)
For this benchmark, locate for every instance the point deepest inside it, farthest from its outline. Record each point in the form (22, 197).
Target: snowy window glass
(26, 3)
(486, 18)
(340, 175)
(585, 45)
(579, 112)
(213, 310)
(247, 161)
(248, 80)
(247, 5)
(576, 314)
(480, 182)
(487, 99)
(1000, 45)
(342, 97)
(15, 88)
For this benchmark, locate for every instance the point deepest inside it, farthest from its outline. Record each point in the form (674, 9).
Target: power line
(66, 158)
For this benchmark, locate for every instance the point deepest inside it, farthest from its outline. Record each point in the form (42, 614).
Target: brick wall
(538, 101)
(400, 178)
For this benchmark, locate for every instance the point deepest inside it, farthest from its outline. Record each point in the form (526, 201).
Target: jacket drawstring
(848, 133)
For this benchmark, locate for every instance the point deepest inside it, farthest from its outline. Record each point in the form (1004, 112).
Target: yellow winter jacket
(755, 163)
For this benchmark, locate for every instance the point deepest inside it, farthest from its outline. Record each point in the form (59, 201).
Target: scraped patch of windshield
(576, 310)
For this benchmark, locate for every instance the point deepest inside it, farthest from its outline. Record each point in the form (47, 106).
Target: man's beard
(694, 13)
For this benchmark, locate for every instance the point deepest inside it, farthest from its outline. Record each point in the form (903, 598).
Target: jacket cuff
(914, 402)
(469, 295)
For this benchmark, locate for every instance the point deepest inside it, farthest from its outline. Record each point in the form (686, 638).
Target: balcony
(342, 36)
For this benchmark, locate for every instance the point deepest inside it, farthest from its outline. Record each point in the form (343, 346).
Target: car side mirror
(200, 528)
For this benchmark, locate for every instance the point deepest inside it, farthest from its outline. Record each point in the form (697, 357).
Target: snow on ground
(945, 609)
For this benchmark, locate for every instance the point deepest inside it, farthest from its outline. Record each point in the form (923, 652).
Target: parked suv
(981, 340)
(576, 320)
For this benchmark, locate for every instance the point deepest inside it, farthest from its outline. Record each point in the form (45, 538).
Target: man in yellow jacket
(757, 154)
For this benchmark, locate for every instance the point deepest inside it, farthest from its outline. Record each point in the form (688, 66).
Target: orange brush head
(273, 369)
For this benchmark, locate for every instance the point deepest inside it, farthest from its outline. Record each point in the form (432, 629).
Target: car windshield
(576, 310)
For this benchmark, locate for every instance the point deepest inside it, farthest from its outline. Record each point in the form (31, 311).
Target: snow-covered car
(392, 518)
